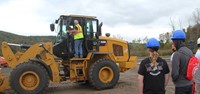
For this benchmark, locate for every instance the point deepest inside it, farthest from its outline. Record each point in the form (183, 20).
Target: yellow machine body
(113, 49)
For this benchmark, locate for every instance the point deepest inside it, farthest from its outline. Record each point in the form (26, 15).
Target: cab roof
(79, 16)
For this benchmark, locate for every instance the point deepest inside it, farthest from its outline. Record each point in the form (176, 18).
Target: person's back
(153, 72)
(180, 61)
(154, 79)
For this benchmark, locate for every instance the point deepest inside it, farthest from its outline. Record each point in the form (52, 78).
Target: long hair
(154, 56)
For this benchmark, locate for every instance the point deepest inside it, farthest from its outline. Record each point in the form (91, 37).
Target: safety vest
(80, 34)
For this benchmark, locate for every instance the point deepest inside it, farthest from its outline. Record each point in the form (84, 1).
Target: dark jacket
(179, 67)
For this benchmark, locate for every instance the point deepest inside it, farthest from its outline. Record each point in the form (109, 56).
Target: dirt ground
(127, 84)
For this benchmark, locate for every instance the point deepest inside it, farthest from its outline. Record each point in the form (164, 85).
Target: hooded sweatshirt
(179, 67)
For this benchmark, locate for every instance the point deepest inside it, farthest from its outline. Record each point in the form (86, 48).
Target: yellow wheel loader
(104, 58)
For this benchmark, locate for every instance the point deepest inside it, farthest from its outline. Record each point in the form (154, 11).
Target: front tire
(29, 78)
(103, 74)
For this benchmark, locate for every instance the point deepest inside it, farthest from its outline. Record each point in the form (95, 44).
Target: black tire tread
(93, 66)
(18, 68)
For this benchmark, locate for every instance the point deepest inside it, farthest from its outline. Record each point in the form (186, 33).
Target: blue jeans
(78, 48)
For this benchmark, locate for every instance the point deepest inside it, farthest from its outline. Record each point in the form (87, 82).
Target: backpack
(192, 64)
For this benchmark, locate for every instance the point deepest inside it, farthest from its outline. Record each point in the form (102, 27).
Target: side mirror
(101, 24)
(52, 27)
(56, 21)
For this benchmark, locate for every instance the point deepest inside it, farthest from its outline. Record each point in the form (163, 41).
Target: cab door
(91, 35)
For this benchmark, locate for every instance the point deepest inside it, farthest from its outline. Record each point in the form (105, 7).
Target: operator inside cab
(78, 39)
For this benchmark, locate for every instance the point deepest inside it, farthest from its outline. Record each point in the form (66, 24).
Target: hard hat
(198, 41)
(152, 42)
(178, 34)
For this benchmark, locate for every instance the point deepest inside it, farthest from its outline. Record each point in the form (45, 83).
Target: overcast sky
(130, 19)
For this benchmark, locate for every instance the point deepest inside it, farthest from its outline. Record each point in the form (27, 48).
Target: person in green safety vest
(78, 39)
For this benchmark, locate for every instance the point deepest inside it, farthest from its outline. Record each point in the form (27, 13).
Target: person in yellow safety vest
(78, 39)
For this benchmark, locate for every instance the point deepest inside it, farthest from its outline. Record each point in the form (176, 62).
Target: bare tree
(189, 21)
(145, 39)
(134, 41)
(172, 24)
(167, 37)
(180, 23)
(138, 40)
(162, 38)
(196, 16)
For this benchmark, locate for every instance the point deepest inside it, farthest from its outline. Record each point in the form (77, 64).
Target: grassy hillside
(137, 49)
(13, 38)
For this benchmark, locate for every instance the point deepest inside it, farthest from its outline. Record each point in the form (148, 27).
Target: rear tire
(29, 78)
(103, 74)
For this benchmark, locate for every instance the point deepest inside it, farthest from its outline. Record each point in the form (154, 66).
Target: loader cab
(64, 46)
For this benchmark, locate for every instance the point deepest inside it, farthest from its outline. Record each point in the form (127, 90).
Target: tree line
(192, 31)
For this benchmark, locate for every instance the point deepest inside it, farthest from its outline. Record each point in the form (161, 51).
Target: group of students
(153, 72)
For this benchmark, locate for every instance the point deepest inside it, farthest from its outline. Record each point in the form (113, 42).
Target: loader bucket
(3, 82)
(132, 63)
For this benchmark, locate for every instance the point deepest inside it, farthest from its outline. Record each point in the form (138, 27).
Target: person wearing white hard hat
(197, 73)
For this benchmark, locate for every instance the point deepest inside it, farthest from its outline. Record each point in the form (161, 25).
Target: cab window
(91, 28)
